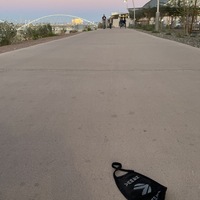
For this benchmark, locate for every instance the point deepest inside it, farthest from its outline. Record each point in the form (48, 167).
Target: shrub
(73, 31)
(100, 25)
(138, 26)
(89, 28)
(154, 31)
(7, 33)
(180, 35)
(149, 27)
(38, 32)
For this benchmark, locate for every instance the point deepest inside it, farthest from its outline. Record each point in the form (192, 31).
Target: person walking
(124, 21)
(104, 21)
(110, 22)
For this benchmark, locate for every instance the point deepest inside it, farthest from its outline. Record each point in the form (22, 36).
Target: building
(77, 21)
(153, 3)
(117, 16)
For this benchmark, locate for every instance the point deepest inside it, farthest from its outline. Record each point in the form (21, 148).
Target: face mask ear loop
(117, 166)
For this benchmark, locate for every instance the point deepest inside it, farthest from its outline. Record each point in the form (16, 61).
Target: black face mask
(135, 186)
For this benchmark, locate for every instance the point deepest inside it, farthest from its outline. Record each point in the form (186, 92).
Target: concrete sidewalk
(71, 107)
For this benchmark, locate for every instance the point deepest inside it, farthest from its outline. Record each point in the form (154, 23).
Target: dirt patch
(193, 40)
(28, 43)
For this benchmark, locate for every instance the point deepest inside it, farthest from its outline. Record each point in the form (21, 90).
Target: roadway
(69, 108)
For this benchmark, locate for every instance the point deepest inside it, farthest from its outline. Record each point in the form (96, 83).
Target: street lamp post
(133, 12)
(125, 1)
(157, 15)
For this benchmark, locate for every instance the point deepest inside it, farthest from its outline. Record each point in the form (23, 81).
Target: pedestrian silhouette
(104, 21)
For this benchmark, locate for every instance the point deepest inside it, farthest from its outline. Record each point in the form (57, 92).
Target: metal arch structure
(55, 15)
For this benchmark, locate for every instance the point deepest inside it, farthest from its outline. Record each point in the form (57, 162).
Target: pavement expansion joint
(100, 70)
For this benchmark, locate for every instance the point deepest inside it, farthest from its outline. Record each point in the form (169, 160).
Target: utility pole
(133, 12)
(125, 1)
(157, 15)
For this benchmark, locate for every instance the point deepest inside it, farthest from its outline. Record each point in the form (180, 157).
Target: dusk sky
(89, 9)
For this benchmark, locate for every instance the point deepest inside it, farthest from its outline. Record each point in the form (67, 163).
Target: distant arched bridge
(44, 19)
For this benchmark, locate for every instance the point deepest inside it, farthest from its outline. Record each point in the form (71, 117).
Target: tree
(149, 13)
(194, 14)
(139, 13)
(187, 10)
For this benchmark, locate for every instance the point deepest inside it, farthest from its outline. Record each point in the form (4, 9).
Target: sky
(92, 10)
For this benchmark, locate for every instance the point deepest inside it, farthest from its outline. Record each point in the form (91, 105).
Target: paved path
(71, 107)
